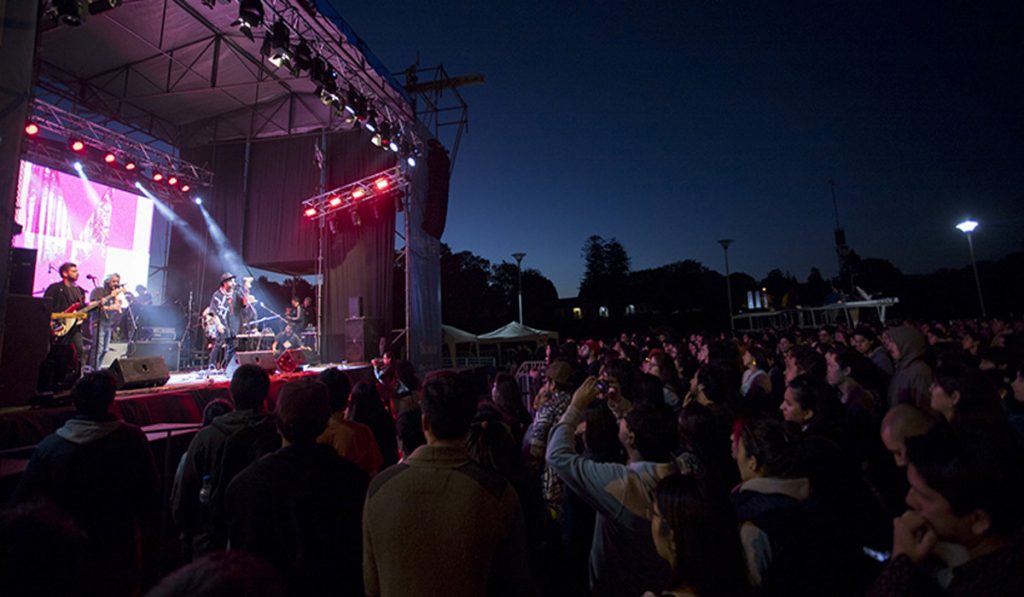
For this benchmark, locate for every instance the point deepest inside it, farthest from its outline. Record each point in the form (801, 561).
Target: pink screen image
(65, 217)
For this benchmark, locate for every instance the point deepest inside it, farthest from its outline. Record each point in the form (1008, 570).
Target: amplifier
(170, 351)
(158, 334)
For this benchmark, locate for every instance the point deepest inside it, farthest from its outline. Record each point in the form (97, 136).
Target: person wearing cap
(226, 306)
(550, 403)
(301, 506)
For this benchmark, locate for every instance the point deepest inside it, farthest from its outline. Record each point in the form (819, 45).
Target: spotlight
(310, 212)
(371, 121)
(31, 129)
(185, 188)
(393, 146)
(173, 180)
(376, 140)
(411, 161)
(157, 176)
(250, 15)
(303, 58)
(109, 158)
(70, 12)
(276, 45)
(78, 166)
(381, 183)
(358, 193)
(129, 165)
(77, 145)
(355, 103)
(335, 201)
(326, 80)
(197, 200)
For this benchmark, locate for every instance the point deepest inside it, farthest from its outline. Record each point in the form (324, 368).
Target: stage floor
(181, 400)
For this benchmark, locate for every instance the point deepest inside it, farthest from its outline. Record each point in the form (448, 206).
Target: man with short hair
(59, 297)
(101, 471)
(439, 524)
(964, 489)
(623, 558)
(865, 341)
(195, 507)
(300, 507)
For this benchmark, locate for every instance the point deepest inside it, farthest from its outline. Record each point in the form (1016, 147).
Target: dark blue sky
(669, 125)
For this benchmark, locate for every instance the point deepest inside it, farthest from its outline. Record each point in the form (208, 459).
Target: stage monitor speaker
(291, 360)
(264, 359)
(170, 351)
(140, 372)
(23, 269)
(361, 335)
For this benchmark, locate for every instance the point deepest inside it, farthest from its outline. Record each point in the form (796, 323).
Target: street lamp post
(519, 272)
(728, 287)
(967, 227)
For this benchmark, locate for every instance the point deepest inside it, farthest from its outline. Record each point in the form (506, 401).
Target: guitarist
(60, 296)
(105, 318)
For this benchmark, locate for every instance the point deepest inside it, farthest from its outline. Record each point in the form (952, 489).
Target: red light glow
(172, 180)
(77, 145)
(110, 158)
(359, 193)
(310, 212)
(129, 166)
(31, 129)
(335, 201)
(158, 177)
(381, 184)
(185, 188)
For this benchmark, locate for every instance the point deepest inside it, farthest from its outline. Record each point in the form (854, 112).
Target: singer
(106, 318)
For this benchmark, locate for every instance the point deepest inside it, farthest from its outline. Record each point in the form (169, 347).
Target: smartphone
(602, 386)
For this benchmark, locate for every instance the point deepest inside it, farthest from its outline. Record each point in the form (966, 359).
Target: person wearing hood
(912, 380)
(99, 470)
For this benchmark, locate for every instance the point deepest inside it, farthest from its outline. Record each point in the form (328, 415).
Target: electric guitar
(65, 321)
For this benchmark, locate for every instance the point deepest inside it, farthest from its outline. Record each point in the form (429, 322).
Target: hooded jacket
(912, 381)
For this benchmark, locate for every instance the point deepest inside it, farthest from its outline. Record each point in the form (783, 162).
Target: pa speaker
(361, 336)
(264, 359)
(23, 268)
(140, 372)
(438, 169)
(290, 360)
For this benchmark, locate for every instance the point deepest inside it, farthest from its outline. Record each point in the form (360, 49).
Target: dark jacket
(912, 381)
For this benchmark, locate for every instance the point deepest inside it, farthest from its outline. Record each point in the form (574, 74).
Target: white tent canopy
(516, 332)
(452, 335)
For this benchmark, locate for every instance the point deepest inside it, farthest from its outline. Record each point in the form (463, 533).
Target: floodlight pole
(519, 271)
(967, 228)
(728, 287)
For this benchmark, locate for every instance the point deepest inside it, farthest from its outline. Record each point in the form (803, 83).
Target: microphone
(49, 267)
(90, 277)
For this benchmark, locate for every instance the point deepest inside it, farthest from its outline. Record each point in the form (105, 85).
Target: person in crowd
(210, 466)
(812, 405)
(33, 537)
(965, 487)
(865, 340)
(551, 402)
(705, 450)
(367, 409)
(300, 507)
(903, 421)
(660, 364)
(1014, 398)
(438, 523)
(756, 386)
(804, 360)
(697, 536)
(222, 573)
(862, 407)
(781, 530)
(399, 387)
(350, 439)
(912, 376)
(623, 560)
(509, 399)
(409, 432)
(826, 338)
(962, 393)
(99, 470)
(590, 357)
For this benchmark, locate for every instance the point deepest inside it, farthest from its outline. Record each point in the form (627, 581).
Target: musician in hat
(226, 306)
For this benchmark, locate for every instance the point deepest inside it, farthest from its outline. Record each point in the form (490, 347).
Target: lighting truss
(347, 196)
(64, 124)
(327, 42)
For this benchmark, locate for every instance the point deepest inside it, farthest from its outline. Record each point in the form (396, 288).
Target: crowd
(849, 461)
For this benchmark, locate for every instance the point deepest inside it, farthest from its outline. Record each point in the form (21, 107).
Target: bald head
(903, 421)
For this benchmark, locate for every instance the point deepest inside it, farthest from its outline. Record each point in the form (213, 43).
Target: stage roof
(181, 73)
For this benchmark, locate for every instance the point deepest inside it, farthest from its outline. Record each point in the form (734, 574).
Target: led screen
(65, 217)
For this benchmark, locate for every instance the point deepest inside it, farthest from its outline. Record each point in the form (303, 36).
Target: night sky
(669, 125)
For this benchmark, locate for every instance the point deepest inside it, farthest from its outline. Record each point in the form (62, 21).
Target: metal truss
(383, 183)
(443, 107)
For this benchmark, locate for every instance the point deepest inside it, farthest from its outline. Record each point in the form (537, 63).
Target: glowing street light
(968, 227)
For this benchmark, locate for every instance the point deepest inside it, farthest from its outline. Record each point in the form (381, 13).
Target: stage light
(129, 165)
(967, 226)
(70, 12)
(411, 161)
(31, 129)
(376, 140)
(276, 45)
(198, 200)
(250, 15)
(381, 183)
(335, 201)
(77, 145)
(310, 212)
(358, 193)
(173, 180)
(185, 188)
(371, 121)
(138, 185)
(109, 158)
(78, 166)
(303, 57)
(393, 146)
(157, 176)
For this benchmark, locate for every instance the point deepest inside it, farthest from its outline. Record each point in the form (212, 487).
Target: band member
(226, 305)
(286, 340)
(143, 296)
(59, 297)
(105, 318)
(296, 315)
(249, 314)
